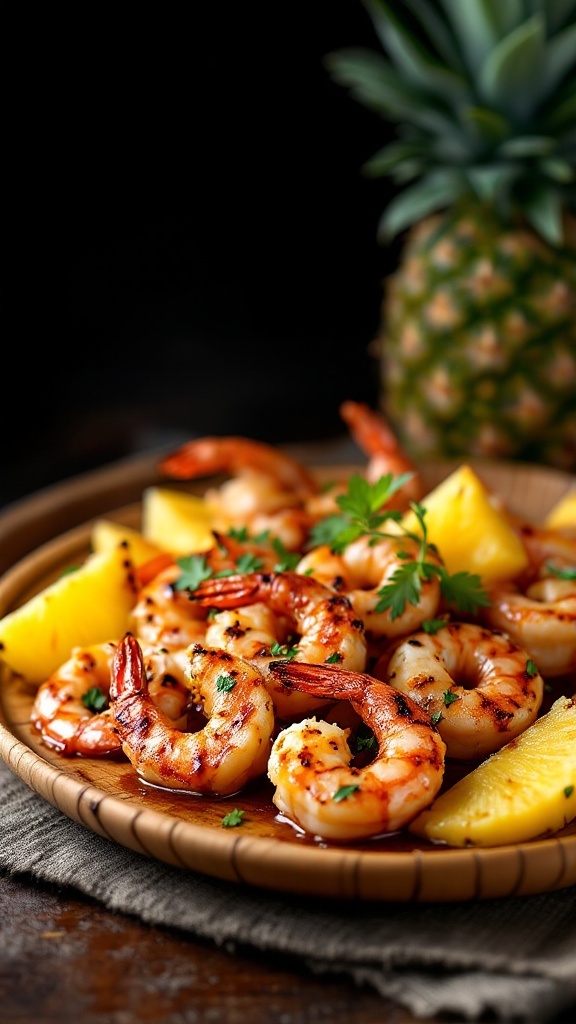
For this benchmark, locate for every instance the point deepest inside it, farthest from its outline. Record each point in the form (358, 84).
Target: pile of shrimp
(288, 669)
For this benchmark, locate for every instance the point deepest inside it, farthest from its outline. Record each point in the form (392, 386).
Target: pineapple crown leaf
(431, 193)
(543, 211)
(483, 101)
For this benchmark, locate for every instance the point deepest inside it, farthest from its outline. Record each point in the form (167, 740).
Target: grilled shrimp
(363, 569)
(266, 491)
(222, 757)
(269, 609)
(317, 788)
(376, 439)
(68, 725)
(164, 616)
(541, 619)
(479, 685)
(207, 456)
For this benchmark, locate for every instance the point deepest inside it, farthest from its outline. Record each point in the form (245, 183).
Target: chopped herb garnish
(531, 669)
(365, 741)
(364, 514)
(94, 699)
(449, 698)
(71, 568)
(343, 793)
(283, 650)
(334, 659)
(193, 570)
(432, 626)
(567, 573)
(249, 563)
(233, 818)
(225, 683)
(238, 533)
(568, 790)
(287, 560)
(436, 717)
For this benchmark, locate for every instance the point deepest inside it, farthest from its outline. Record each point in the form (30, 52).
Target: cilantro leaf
(343, 792)
(225, 683)
(233, 818)
(249, 562)
(463, 589)
(567, 573)
(95, 700)
(404, 588)
(449, 698)
(431, 626)
(287, 560)
(193, 570)
(283, 650)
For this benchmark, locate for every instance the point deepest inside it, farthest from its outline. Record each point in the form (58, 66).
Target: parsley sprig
(363, 514)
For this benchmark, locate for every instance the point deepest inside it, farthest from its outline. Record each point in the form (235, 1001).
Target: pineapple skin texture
(478, 342)
(525, 790)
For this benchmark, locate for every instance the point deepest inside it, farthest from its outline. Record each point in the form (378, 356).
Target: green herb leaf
(343, 793)
(225, 683)
(95, 700)
(464, 590)
(449, 698)
(283, 650)
(568, 790)
(193, 570)
(567, 573)
(68, 570)
(365, 741)
(249, 563)
(287, 560)
(233, 818)
(404, 588)
(334, 659)
(327, 530)
(432, 626)
(531, 669)
(239, 533)
(436, 717)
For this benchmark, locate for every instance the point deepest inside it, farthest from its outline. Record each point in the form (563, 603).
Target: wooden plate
(186, 831)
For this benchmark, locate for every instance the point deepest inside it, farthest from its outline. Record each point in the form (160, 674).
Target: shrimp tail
(128, 672)
(228, 591)
(207, 456)
(374, 436)
(320, 680)
(368, 429)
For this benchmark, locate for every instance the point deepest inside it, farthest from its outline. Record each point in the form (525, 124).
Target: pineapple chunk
(563, 514)
(87, 606)
(175, 521)
(107, 534)
(469, 532)
(526, 789)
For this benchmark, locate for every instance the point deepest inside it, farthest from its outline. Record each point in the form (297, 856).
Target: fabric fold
(515, 958)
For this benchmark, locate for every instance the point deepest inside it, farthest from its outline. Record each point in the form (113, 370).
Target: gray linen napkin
(514, 957)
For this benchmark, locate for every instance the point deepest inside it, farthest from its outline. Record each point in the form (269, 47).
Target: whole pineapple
(478, 328)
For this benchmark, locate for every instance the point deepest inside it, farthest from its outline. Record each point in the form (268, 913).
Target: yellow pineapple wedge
(526, 789)
(106, 534)
(563, 514)
(175, 521)
(469, 532)
(85, 606)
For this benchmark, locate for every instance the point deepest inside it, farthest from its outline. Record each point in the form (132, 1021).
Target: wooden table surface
(66, 959)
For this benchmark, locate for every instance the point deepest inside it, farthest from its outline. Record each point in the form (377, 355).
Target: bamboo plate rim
(435, 874)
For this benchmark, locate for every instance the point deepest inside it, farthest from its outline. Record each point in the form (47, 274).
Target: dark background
(195, 244)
